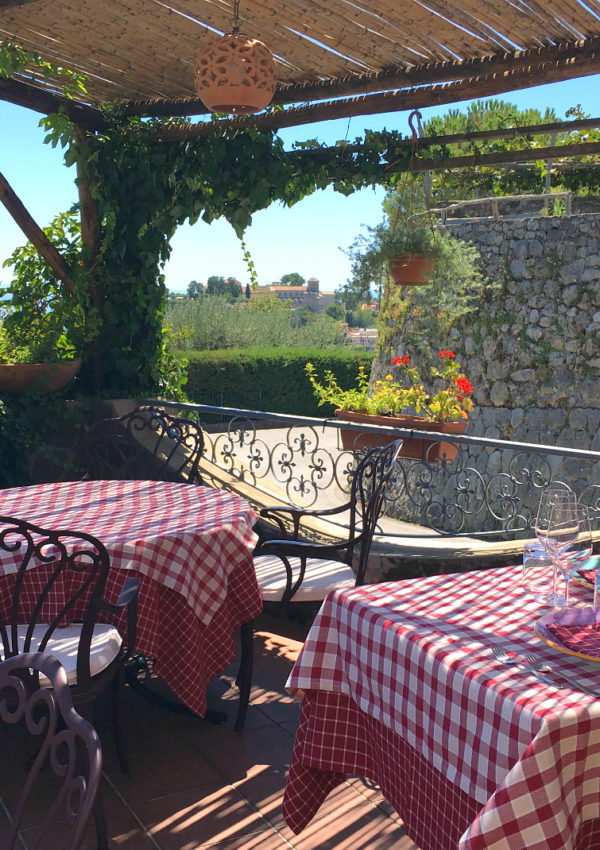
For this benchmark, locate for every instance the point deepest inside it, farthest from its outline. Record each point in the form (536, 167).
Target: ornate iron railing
(490, 488)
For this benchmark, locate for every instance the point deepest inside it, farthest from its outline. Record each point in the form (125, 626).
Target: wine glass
(554, 494)
(579, 549)
(565, 539)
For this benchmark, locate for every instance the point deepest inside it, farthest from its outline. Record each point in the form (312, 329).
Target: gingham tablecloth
(401, 685)
(192, 548)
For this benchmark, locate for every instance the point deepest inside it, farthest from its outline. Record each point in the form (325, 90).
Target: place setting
(562, 557)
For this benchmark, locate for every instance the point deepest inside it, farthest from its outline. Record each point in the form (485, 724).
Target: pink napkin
(583, 638)
(589, 569)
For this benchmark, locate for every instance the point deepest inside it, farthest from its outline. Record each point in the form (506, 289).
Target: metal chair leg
(244, 677)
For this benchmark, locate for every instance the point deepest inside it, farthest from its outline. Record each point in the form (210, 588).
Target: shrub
(268, 379)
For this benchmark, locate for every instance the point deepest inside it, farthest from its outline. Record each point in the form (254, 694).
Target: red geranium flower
(401, 361)
(464, 385)
(446, 353)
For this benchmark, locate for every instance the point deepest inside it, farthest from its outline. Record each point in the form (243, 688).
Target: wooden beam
(396, 101)
(503, 157)
(554, 61)
(45, 102)
(35, 234)
(520, 63)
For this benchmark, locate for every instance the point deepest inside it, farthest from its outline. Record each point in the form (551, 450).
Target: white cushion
(105, 646)
(320, 577)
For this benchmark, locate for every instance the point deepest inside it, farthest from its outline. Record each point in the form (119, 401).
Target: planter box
(42, 377)
(412, 447)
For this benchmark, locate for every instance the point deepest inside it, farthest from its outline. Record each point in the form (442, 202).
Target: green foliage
(42, 322)
(146, 186)
(26, 426)
(336, 311)
(370, 255)
(195, 289)
(421, 317)
(361, 318)
(15, 61)
(228, 287)
(214, 323)
(292, 279)
(403, 394)
(236, 377)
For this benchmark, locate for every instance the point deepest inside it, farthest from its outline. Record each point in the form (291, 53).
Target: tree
(489, 180)
(228, 287)
(292, 279)
(195, 289)
(336, 311)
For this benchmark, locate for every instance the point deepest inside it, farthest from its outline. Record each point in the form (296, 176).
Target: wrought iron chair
(293, 570)
(146, 443)
(52, 600)
(35, 695)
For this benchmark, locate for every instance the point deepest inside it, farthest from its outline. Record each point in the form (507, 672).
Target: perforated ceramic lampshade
(237, 75)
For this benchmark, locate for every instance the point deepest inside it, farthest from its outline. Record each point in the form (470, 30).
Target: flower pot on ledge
(41, 377)
(414, 448)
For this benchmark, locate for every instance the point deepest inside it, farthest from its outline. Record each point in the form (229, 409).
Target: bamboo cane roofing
(144, 50)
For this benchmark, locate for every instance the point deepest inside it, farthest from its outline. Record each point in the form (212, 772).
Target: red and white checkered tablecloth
(192, 548)
(404, 670)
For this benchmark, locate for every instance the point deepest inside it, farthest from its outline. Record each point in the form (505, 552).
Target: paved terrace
(196, 786)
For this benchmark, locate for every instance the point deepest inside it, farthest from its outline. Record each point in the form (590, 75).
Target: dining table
(191, 548)
(400, 685)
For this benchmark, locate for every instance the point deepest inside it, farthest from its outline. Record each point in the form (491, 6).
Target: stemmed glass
(553, 496)
(579, 548)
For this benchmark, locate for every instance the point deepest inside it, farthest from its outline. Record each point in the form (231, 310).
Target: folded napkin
(583, 638)
(589, 568)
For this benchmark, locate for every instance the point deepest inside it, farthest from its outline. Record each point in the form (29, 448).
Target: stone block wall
(533, 354)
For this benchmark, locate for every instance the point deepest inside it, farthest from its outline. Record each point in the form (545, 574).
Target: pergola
(335, 58)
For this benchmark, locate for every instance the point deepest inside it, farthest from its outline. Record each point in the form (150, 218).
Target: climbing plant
(145, 187)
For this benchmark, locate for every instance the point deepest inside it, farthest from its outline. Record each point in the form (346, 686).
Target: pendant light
(237, 74)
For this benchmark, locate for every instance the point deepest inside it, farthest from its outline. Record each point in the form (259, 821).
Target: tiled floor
(196, 785)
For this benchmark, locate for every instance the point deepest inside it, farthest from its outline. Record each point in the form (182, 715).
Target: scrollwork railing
(490, 488)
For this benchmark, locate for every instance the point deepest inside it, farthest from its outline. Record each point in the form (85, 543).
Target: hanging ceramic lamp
(237, 74)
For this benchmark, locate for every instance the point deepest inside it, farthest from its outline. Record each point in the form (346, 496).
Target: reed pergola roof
(335, 58)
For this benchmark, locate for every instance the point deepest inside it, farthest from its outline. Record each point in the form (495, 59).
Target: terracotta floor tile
(199, 786)
(188, 820)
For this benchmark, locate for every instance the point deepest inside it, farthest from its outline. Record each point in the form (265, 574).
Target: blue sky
(308, 238)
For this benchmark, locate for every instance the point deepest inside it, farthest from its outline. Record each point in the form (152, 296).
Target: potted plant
(43, 328)
(406, 251)
(401, 401)
(42, 367)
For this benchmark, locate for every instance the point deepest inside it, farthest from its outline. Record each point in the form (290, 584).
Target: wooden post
(35, 234)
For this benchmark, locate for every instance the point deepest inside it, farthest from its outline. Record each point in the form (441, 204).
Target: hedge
(271, 379)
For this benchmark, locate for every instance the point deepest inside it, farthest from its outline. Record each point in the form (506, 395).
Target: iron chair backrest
(65, 742)
(52, 578)
(367, 493)
(145, 444)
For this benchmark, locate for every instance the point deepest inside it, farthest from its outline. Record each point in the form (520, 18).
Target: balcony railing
(490, 489)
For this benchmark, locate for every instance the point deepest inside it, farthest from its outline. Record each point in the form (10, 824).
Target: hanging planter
(411, 269)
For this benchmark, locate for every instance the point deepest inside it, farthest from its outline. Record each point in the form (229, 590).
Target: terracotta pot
(41, 377)
(411, 269)
(415, 448)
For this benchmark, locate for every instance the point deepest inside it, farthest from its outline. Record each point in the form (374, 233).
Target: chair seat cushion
(320, 577)
(105, 646)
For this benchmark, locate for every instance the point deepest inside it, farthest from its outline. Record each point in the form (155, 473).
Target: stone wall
(534, 354)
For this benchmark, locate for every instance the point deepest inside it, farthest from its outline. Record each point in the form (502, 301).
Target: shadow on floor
(196, 785)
